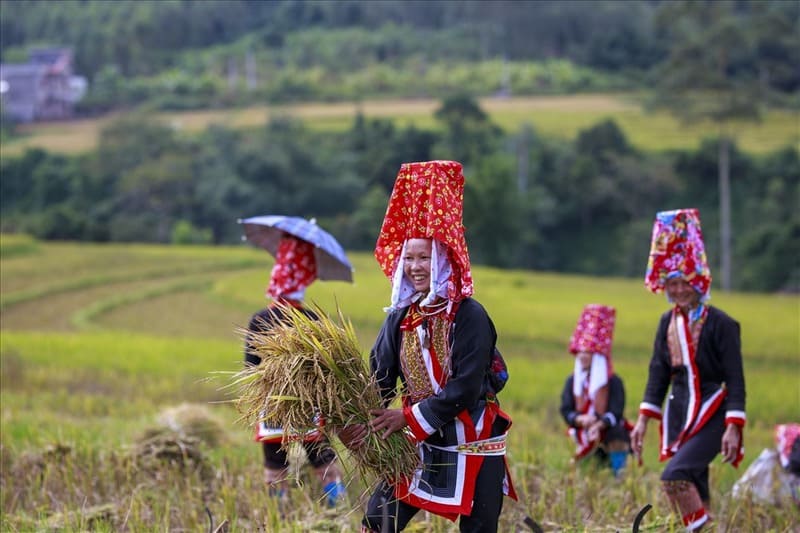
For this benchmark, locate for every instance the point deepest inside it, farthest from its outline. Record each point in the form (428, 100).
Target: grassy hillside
(100, 341)
(557, 116)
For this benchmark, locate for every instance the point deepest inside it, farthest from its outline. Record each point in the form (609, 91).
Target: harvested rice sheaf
(312, 370)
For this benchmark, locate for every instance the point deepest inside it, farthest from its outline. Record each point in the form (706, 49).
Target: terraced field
(103, 346)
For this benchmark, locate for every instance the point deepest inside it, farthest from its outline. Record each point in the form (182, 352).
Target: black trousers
(690, 462)
(487, 504)
(319, 454)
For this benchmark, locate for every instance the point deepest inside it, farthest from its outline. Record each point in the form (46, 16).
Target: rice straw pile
(311, 368)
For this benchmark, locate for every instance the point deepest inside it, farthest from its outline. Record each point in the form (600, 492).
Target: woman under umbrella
(294, 270)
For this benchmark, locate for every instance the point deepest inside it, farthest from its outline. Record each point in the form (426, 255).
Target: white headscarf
(298, 296)
(403, 293)
(598, 376)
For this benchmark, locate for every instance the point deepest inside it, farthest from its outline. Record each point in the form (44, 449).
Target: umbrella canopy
(266, 232)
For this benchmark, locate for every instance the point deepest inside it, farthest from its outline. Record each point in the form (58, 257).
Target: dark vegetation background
(582, 206)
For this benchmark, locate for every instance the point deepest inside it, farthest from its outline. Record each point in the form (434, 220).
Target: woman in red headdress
(593, 399)
(697, 357)
(294, 270)
(437, 342)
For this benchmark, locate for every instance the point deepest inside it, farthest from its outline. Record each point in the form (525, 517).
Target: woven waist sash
(490, 446)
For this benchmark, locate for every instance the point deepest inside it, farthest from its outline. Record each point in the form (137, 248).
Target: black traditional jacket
(453, 413)
(713, 378)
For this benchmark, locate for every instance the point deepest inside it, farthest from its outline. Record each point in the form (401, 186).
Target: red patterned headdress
(677, 249)
(595, 331)
(785, 435)
(295, 268)
(427, 203)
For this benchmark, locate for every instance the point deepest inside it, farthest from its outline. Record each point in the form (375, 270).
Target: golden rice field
(116, 411)
(557, 116)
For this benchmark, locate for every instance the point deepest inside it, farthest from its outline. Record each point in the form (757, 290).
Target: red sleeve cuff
(650, 411)
(737, 418)
(413, 424)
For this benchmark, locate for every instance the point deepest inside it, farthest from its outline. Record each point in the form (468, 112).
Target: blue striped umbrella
(266, 232)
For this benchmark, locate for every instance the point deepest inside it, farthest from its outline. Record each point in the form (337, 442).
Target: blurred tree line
(530, 202)
(142, 37)
(190, 54)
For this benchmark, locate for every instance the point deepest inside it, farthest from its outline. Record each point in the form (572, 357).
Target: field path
(561, 116)
(82, 135)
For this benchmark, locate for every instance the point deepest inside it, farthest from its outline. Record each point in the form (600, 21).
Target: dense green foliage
(100, 341)
(535, 202)
(712, 43)
(531, 202)
(173, 54)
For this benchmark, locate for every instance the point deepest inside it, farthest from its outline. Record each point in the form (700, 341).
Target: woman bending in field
(593, 399)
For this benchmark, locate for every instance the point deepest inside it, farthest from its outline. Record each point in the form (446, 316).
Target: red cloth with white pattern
(427, 203)
(594, 331)
(785, 435)
(295, 267)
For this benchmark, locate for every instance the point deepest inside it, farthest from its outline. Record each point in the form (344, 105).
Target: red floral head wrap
(427, 203)
(594, 331)
(677, 249)
(295, 267)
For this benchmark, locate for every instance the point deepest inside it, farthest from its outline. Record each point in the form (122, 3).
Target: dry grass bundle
(194, 420)
(155, 451)
(312, 368)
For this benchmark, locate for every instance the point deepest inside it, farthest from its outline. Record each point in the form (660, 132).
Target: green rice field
(553, 116)
(116, 407)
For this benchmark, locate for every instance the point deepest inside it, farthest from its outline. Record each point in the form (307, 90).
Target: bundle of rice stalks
(312, 376)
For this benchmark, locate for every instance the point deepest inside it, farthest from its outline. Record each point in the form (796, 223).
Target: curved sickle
(531, 523)
(639, 517)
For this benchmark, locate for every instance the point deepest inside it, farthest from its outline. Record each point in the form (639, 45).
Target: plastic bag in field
(767, 482)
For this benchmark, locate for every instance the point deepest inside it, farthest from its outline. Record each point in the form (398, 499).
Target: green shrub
(184, 232)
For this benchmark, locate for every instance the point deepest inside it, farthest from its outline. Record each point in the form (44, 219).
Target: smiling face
(683, 294)
(417, 264)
